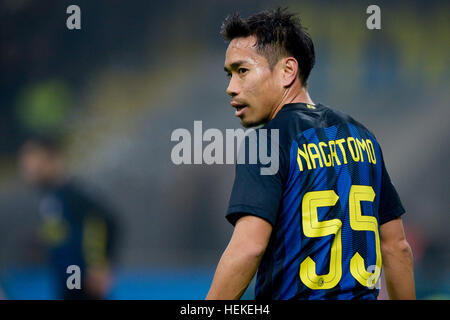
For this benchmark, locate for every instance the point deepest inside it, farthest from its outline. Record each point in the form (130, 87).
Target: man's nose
(232, 89)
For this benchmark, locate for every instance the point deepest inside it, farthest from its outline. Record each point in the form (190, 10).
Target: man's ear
(289, 71)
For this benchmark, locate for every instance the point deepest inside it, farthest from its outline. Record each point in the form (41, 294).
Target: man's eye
(242, 70)
(228, 75)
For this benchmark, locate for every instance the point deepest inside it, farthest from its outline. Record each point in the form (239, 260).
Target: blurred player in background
(324, 225)
(77, 230)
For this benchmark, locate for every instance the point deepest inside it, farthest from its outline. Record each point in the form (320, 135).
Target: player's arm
(398, 262)
(95, 243)
(241, 258)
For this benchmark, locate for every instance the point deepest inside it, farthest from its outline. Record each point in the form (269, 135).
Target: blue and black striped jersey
(325, 203)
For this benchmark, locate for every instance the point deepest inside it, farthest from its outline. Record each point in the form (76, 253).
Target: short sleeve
(255, 193)
(390, 204)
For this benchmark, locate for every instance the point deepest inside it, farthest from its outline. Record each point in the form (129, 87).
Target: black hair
(279, 34)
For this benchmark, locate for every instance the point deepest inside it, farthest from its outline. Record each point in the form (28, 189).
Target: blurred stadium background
(116, 89)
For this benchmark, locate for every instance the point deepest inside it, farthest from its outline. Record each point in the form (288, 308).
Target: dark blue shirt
(325, 203)
(78, 231)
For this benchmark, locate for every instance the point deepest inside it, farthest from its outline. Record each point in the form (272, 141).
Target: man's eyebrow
(234, 65)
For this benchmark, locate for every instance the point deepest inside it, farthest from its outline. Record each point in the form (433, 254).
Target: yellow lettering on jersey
(361, 222)
(371, 151)
(353, 150)
(315, 155)
(314, 228)
(339, 143)
(326, 160)
(332, 145)
(361, 145)
(305, 155)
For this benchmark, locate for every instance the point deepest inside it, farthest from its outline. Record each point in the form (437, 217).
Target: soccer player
(76, 229)
(324, 225)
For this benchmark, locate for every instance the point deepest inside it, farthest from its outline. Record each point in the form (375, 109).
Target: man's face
(36, 164)
(254, 88)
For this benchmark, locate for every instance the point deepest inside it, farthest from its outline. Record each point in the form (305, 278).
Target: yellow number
(363, 223)
(312, 227)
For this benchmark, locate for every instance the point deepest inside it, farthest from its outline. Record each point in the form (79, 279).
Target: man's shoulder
(295, 119)
(325, 116)
(338, 116)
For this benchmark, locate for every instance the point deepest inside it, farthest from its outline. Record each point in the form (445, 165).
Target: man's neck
(293, 94)
(54, 182)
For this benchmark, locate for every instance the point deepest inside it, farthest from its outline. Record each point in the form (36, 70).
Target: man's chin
(246, 123)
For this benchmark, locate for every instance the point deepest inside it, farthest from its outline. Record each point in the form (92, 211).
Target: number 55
(313, 228)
